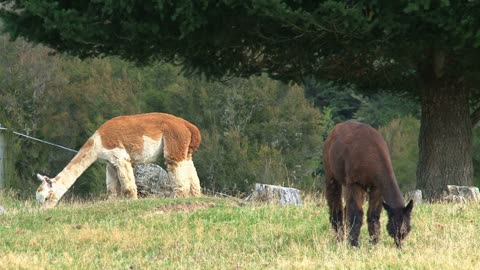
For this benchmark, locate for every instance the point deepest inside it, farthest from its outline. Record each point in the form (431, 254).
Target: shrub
(401, 136)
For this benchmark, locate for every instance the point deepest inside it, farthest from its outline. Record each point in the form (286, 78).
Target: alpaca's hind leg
(373, 215)
(334, 201)
(195, 188)
(178, 164)
(180, 172)
(355, 199)
(113, 184)
(186, 182)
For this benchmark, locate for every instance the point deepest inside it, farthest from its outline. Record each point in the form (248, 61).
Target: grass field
(217, 233)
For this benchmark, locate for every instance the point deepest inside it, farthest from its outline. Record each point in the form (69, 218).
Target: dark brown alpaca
(355, 157)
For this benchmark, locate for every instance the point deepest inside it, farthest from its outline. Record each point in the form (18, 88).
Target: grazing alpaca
(355, 157)
(127, 140)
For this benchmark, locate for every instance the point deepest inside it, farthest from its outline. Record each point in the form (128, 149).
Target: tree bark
(445, 142)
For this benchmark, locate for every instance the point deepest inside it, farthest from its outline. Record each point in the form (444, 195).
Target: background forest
(254, 130)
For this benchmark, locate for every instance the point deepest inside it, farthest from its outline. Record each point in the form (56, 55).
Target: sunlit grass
(215, 233)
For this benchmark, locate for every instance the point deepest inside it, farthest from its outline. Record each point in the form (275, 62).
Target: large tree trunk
(445, 137)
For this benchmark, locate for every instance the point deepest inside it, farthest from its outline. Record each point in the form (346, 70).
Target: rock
(153, 180)
(415, 195)
(275, 194)
(467, 193)
(455, 199)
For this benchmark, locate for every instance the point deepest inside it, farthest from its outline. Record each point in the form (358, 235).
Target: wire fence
(10, 159)
(39, 140)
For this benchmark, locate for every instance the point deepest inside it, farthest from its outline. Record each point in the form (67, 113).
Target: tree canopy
(427, 47)
(376, 42)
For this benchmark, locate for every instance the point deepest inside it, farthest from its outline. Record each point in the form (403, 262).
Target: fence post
(2, 158)
(5, 159)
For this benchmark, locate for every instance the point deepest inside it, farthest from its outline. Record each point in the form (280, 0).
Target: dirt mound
(184, 207)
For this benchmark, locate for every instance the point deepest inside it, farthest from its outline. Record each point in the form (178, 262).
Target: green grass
(215, 233)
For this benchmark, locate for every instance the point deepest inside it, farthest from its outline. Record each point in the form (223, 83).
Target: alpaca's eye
(46, 199)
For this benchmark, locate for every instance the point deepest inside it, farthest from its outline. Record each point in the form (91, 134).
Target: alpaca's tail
(195, 138)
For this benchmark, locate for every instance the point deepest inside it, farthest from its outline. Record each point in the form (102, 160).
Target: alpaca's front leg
(127, 180)
(125, 175)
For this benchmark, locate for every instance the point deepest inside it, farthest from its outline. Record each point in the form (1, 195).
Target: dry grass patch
(213, 233)
(183, 207)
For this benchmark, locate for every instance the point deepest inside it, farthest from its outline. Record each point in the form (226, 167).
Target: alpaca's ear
(45, 179)
(408, 208)
(40, 177)
(48, 180)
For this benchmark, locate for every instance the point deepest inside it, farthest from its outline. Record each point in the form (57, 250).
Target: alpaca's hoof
(131, 194)
(354, 243)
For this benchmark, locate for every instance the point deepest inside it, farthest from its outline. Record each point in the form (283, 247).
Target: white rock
(468, 193)
(415, 195)
(152, 180)
(275, 194)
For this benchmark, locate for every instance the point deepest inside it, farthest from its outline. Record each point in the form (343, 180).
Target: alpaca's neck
(80, 162)
(391, 192)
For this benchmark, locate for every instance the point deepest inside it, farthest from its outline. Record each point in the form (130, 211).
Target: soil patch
(184, 207)
(192, 206)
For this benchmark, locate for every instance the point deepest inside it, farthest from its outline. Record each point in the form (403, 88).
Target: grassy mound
(216, 233)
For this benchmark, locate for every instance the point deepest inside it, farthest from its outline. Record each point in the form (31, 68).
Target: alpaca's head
(398, 225)
(49, 192)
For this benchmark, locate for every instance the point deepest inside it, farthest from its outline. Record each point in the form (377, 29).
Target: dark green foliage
(341, 99)
(380, 109)
(375, 42)
(346, 102)
(476, 155)
(23, 75)
(401, 135)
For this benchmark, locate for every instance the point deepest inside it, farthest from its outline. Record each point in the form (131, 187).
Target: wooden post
(2, 158)
(6, 164)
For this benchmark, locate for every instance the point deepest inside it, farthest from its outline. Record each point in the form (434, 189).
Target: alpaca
(356, 158)
(126, 140)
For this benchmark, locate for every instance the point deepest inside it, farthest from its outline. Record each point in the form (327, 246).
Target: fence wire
(42, 141)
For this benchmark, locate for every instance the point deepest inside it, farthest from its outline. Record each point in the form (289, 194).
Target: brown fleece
(195, 140)
(127, 132)
(356, 159)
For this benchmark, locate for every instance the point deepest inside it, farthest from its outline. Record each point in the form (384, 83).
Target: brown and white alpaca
(127, 140)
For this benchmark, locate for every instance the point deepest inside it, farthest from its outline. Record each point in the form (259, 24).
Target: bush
(476, 156)
(401, 136)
